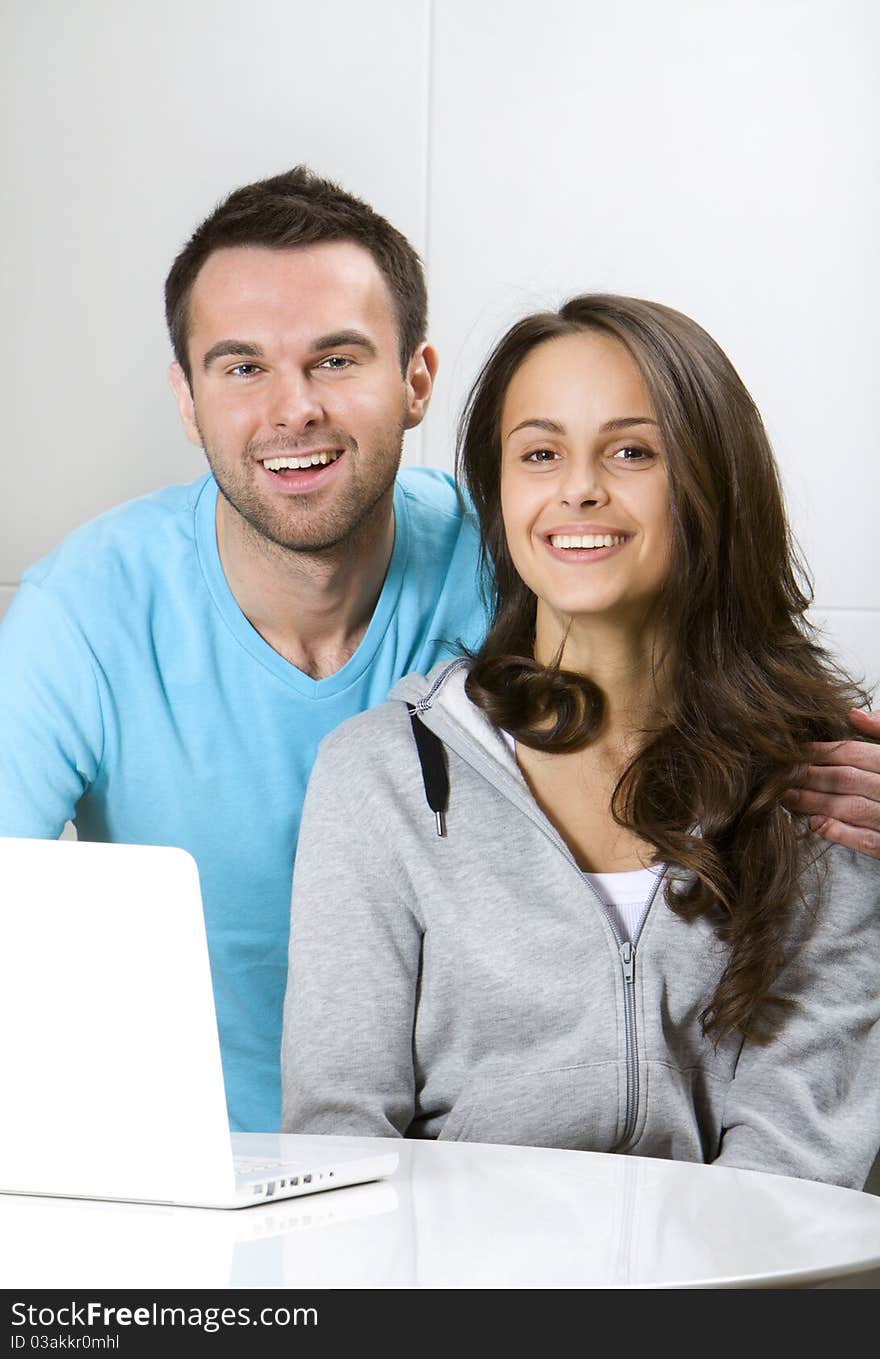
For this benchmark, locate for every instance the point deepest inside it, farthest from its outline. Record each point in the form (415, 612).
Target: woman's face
(584, 484)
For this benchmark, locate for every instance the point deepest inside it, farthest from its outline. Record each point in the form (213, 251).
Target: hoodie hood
(442, 704)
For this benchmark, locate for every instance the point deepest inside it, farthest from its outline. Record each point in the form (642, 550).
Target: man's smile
(293, 473)
(302, 462)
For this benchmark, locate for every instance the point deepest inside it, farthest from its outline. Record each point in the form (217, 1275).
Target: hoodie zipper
(628, 959)
(626, 950)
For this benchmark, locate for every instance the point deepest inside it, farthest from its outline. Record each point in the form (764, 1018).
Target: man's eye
(244, 369)
(335, 362)
(541, 455)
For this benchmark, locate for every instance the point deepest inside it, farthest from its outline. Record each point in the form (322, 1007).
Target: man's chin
(322, 535)
(313, 540)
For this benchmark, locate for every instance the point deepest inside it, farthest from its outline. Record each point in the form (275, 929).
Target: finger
(859, 813)
(854, 837)
(821, 778)
(869, 723)
(858, 754)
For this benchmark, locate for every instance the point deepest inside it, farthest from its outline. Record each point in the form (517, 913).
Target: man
(167, 672)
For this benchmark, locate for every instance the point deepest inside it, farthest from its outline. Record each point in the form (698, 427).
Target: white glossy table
(460, 1215)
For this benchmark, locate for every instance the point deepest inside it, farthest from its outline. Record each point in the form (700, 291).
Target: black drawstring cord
(435, 776)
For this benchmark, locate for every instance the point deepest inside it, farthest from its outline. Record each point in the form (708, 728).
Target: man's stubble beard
(305, 528)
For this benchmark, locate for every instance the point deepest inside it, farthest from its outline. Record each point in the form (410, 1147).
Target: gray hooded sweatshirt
(473, 986)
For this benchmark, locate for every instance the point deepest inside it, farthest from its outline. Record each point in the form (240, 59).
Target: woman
(618, 940)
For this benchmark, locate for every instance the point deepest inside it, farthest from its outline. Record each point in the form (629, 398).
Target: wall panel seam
(427, 175)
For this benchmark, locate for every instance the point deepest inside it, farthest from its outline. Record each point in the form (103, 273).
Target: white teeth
(586, 539)
(299, 464)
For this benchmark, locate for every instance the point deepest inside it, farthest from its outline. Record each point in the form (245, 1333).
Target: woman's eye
(632, 454)
(541, 455)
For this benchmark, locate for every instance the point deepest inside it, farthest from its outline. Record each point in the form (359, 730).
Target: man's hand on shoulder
(840, 789)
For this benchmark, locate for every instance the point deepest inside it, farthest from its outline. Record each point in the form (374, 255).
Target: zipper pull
(628, 958)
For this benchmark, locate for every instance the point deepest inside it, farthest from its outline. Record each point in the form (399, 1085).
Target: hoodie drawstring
(435, 776)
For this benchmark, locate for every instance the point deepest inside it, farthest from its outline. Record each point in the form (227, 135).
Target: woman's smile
(578, 543)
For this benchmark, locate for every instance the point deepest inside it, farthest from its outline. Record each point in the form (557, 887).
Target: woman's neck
(626, 662)
(575, 790)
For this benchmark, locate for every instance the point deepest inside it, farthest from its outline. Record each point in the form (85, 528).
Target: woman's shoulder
(441, 681)
(370, 731)
(841, 894)
(379, 744)
(847, 873)
(383, 730)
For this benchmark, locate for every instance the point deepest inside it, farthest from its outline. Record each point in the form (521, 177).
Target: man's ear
(183, 396)
(420, 373)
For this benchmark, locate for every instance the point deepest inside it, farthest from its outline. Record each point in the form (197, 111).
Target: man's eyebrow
(245, 349)
(338, 339)
(239, 348)
(553, 427)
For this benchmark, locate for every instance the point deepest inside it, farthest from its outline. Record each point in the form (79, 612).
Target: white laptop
(111, 1084)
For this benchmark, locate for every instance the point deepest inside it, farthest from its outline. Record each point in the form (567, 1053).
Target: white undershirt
(626, 896)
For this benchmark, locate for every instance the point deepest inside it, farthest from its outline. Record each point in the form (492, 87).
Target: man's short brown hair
(298, 208)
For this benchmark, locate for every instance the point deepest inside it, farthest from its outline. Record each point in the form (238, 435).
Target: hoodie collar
(440, 700)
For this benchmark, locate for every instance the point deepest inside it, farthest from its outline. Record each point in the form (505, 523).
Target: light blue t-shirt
(138, 701)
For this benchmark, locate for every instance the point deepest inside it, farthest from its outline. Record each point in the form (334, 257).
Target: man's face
(297, 395)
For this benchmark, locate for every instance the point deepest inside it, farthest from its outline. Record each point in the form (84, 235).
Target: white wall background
(717, 155)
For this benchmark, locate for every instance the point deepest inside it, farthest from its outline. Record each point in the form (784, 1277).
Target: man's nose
(294, 402)
(583, 484)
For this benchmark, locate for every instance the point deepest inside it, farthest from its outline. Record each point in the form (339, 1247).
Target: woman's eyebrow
(627, 422)
(553, 427)
(549, 426)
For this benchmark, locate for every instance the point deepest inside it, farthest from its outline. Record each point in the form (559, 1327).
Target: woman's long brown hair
(750, 682)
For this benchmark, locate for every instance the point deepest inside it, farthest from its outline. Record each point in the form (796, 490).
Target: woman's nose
(583, 484)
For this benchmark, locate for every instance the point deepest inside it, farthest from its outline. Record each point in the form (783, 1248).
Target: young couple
(644, 698)
(548, 894)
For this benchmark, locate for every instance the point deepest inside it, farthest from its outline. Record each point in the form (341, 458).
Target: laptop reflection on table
(51, 1242)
